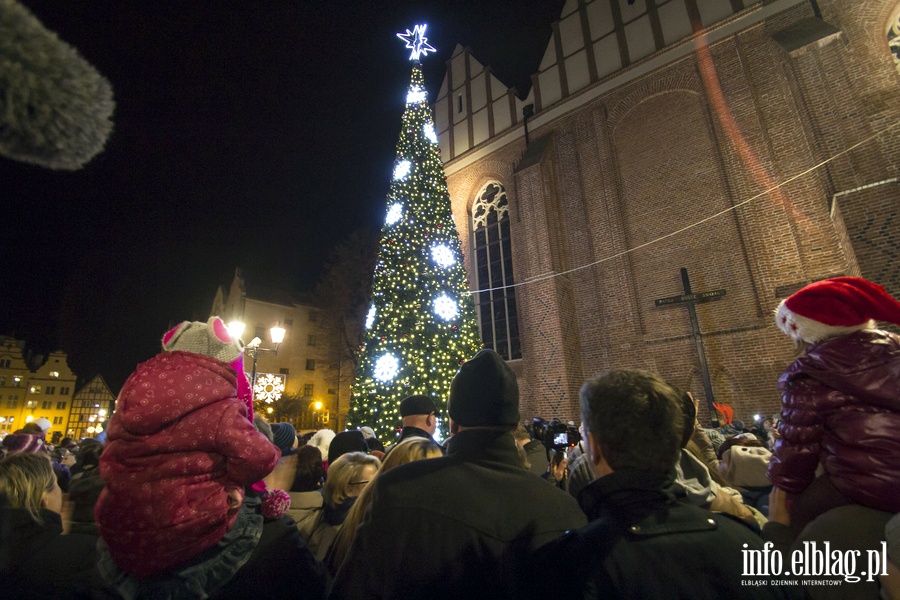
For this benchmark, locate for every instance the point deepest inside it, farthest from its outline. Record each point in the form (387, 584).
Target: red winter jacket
(841, 407)
(178, 439)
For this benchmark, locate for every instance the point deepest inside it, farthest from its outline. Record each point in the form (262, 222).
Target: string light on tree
(426, 325)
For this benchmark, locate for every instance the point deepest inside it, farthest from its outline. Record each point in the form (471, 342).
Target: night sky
(253, 134)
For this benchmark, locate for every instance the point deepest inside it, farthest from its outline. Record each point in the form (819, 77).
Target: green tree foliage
(421, 324)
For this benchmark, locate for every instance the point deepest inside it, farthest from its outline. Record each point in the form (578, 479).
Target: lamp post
(317, 406)
(236, 329)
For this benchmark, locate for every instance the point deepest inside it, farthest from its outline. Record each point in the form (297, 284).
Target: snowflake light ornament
(430, 134)
(269, 387)
(416, 95)
(395, 213)
(442, 255)
(402, 170)
(386, 367)
(445, 307)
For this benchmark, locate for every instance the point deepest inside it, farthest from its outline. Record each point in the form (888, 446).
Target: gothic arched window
(497, 313)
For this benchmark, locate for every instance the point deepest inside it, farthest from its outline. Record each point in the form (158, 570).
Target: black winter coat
(37, 561)
(458, 526)
(642, 543)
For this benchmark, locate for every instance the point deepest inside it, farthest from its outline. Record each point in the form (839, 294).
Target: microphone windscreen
(55, 108)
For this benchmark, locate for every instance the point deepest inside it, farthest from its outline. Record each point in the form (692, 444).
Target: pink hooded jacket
(179, 438)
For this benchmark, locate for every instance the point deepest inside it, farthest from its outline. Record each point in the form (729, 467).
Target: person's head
(768, 424)
(44, 424)
(64, 456)
(264, 427)
(27, 481)
(521, 434)
(348, 476)
(689, 412)
(747, 439)
(633, 420)
(409, 450)
(419, 411)
(32, 427)
(28, 443)
(835, 307)
(344, 442)
(484, 393)
(284, 437)
(90, 454)
(322, 440)
(310, 471)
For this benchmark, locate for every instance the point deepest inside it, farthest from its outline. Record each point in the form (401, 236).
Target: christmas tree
(421, 325)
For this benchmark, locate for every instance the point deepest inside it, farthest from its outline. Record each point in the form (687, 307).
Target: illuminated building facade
(755, 144)
(306, 363)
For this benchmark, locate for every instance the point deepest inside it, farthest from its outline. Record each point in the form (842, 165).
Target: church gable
(472, 105)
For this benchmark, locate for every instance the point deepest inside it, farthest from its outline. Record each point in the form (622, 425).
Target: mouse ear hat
(210, 339)
(834, 307)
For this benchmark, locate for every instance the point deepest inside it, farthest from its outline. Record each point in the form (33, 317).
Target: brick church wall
(656, 175)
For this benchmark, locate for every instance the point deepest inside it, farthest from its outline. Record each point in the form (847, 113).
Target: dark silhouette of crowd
(193, 496)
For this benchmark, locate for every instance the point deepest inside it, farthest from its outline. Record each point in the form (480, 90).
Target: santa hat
(43, 423)
(834, 307)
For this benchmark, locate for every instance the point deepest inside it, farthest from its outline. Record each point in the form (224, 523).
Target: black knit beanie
(484, 392)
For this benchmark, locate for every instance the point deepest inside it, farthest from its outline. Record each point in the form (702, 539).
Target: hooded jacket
(841, 408)
(178, 440)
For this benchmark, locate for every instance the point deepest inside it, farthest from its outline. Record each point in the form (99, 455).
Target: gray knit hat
(210, 339)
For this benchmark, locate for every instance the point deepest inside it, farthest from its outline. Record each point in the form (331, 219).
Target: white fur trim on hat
(43, 423)
(804, 329)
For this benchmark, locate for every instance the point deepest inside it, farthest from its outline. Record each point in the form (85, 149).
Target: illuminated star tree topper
(421, 325)
(417, 41)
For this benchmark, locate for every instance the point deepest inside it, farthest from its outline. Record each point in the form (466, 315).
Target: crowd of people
(191, 495)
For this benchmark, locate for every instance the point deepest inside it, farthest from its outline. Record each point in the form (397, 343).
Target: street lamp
(236, 329)
(317, 406)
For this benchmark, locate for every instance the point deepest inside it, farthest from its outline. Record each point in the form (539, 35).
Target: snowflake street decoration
(370, 317)
(269, 387)
(417, 42)
(445, 307)
(442, 255)
(429, 132)
(395, 213)
(402, 170)
(386, 367)
(416, 95)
